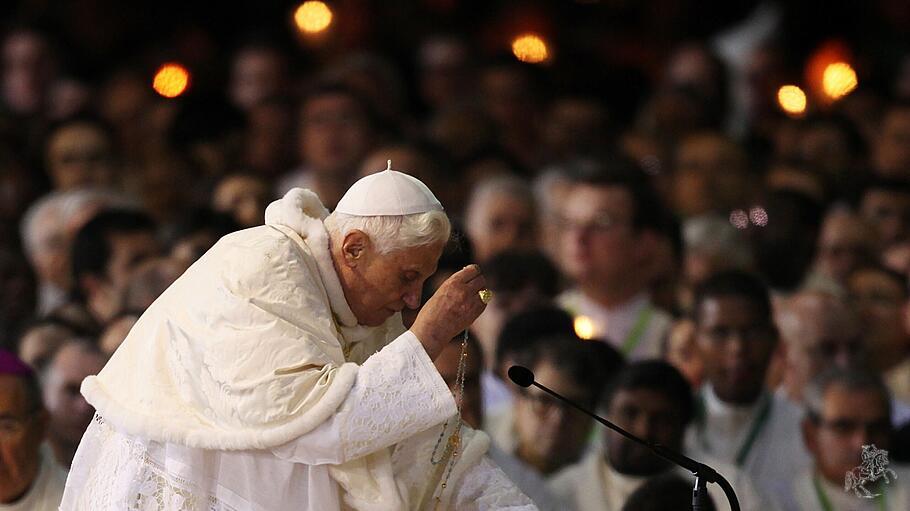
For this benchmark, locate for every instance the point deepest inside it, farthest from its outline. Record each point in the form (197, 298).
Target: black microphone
(524, 377)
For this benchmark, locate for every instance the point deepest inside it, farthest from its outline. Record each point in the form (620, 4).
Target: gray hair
(714, 235)
(64, 205)
(850, 379)
(391, 233)
(497, 185)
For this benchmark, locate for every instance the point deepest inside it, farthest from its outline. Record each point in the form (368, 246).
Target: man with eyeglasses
(543, 433)
(822, 331)
(738, 421)
(819, 330)
(30, 480)
(847, 412)
(611, 225)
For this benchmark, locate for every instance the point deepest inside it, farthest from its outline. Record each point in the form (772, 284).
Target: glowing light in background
(739, 219)
(171, 80)
(792, 100)
(758, 216)
(530, 48)
(313, 17)
(584, 327)
(839, 80)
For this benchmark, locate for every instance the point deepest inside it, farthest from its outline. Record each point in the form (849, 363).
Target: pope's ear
(353, 247)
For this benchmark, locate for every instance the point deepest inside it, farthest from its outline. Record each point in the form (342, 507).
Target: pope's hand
(454, 306)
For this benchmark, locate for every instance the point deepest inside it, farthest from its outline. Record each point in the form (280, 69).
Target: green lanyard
(638, 330)
(758, 424)
(826, 504)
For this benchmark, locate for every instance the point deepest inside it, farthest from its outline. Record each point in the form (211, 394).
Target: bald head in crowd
(819, 331)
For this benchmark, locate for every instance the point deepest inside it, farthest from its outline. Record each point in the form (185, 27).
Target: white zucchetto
(388, 193)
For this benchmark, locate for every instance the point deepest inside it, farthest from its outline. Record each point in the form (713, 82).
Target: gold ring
(486, 296)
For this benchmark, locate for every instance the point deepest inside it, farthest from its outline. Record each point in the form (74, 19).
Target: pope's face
(379, 285)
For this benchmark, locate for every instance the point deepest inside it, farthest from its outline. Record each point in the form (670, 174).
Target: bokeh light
(584, 327)
(839, 80)
(758, 216)
(792, 100)
(530, 48)
(739, 219)
(313, 17)
(171, 80)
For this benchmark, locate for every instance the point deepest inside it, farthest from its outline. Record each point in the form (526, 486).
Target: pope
(276, 373)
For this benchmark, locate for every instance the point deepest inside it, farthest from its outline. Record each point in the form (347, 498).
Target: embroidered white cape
(249, 385)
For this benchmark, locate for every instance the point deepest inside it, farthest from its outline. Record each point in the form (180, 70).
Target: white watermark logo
(873, 468)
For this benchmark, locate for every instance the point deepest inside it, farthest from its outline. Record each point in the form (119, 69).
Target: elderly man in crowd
(819, 330)
(30, 480)
(47, 231)
(611, 222)
(649, 399)
(847, 421)
(277, 374)
(739, 421)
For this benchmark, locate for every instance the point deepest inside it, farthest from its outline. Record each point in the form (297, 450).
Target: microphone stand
(704, 474)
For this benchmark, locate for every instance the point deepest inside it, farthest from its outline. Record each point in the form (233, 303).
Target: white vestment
(592, 485)
(249, 385)
(774, 454)
(805, 496)
(636, 328)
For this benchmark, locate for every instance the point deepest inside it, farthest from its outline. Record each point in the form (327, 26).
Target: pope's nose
(412, 299)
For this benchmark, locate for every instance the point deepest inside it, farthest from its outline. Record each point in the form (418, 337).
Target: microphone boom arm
(703, 473)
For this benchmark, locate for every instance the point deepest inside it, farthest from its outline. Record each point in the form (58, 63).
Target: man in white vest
(611, 226)
(738, 421)
(276, 373)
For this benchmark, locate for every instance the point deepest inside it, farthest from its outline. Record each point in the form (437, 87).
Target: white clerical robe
(636, 328)
(47, 488)
(249, 385)
(593, 485)
(776, 453)
(806, 496)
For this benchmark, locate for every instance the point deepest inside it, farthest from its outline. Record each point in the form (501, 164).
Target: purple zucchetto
(11, 364)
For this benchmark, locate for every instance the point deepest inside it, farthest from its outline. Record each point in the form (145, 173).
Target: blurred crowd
(709, 271)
